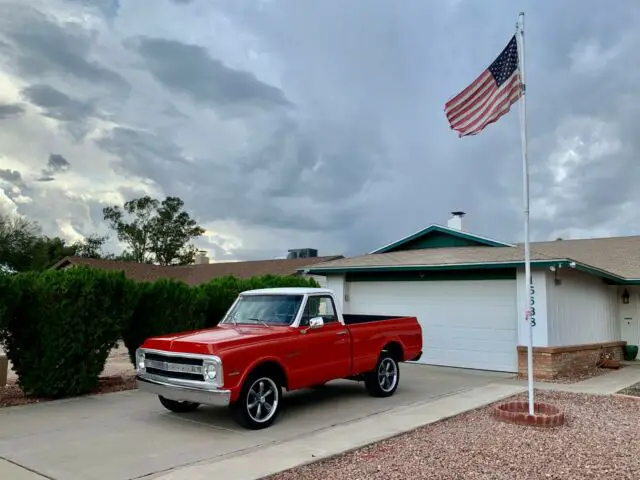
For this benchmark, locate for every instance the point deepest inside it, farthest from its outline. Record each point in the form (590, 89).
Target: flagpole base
(545, 415)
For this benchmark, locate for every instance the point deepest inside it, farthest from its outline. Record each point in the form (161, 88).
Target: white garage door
(470, 324)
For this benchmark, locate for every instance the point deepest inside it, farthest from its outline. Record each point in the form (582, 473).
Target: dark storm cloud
(10, 110)
(12, 176)
(56, 164)
(189, 69)
(402, 63)
(291, 182)
(358, 148)
(76, 114)
(57, 104)
(42, 46)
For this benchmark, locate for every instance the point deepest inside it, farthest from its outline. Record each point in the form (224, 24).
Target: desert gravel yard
(600, 439)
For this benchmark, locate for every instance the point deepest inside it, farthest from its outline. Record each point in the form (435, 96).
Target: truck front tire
(259, 402)
(178, 407)
(383, 381)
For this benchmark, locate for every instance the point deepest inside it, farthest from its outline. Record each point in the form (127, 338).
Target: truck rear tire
(259, 402)
(383, 381)
(178, 407)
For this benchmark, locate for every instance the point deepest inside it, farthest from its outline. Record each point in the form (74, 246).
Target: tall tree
(17, 239)
(92, 247)
(23, 247)
(155, 231)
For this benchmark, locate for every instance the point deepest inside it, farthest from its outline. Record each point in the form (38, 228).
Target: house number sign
(532, 305)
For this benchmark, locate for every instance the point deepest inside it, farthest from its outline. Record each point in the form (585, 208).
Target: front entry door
(630, 322)
(631, 330)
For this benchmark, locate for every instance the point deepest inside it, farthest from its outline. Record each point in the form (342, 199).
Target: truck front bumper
(182, 393)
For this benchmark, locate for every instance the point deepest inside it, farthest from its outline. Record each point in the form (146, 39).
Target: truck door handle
(343, 332)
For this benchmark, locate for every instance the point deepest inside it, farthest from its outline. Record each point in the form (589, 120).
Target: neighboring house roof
(197, 274)
(616, 259)
(438, 236)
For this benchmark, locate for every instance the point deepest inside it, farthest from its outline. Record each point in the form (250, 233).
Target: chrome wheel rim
(387, 375)
(262, 400)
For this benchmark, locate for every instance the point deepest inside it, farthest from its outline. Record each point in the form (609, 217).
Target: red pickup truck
(275, 339)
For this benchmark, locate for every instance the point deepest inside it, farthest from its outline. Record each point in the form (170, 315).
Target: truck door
(326, 351)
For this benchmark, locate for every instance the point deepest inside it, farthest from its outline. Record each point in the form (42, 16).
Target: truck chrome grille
(169, 366)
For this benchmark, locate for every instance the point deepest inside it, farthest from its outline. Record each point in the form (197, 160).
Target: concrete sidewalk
(605, 384)
(261, 462)
(11, 471)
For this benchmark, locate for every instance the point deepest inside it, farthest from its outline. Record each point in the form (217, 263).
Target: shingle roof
(435, 257)
(197, 274)
(619, 256)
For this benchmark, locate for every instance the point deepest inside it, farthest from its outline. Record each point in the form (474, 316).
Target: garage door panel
(471, 324)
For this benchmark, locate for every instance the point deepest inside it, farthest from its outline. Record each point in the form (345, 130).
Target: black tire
(383, 386)
(248, 408)
(178, 407)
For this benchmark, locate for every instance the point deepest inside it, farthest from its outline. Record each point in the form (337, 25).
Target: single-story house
(468, 294)
(202, 271)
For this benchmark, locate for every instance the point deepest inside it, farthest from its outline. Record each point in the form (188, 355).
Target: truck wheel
(258, 405)
(178, 407)
(383, 381)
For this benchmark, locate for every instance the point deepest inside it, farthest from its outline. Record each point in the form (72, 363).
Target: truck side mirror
(316, 322)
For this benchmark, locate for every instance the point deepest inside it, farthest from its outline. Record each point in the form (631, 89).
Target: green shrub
(163, 307)
(8, 297)
(62, 326)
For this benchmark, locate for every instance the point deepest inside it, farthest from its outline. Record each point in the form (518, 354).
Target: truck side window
(319, 306)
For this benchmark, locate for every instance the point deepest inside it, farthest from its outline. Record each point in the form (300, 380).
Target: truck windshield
(265, 309)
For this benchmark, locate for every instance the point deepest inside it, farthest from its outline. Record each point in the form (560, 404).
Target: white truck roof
(289, 291)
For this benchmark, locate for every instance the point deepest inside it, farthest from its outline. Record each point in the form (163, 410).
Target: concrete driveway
(130, 435)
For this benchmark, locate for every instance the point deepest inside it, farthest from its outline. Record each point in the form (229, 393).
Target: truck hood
(214, 340)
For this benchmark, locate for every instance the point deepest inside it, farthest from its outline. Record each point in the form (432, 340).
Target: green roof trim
(457, 238)
(412, 268)
(565, 262)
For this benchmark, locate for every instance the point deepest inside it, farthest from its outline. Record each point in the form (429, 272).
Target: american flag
(489, 97)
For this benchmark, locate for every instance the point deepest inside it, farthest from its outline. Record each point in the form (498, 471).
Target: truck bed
(354, 319)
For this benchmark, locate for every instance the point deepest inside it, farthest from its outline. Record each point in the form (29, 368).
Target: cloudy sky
(316, 123)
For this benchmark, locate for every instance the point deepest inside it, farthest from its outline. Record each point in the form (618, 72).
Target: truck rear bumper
(180, 393)
(417, 357)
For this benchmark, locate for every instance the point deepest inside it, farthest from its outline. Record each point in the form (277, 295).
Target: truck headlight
(140, 365)
(212, 371)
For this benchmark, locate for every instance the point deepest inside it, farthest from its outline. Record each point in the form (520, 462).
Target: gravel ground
(599, 440)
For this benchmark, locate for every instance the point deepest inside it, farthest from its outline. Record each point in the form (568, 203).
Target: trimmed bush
(58, 327)
(62, 326)
(8, 299)
(163, 307)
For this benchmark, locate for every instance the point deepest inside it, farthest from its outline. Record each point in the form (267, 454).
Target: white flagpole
(525, 189)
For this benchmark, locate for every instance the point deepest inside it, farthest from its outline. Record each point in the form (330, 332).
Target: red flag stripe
(454, 114)
(465, 93)
(504, 107)
(505, 99)
(473, 90)
(488, 104)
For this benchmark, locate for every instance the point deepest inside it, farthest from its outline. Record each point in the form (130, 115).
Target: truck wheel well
(395, 350)
(274, 369)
